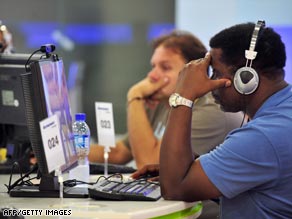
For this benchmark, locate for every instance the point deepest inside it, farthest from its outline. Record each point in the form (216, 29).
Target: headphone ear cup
(246, 80)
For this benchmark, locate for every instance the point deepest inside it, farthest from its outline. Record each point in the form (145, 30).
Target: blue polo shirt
(253, 167)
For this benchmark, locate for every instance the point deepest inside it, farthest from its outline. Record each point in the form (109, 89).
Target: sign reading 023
(105, 124)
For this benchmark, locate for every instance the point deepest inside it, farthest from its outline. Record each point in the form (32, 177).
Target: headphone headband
(251, 54)
(255, 34)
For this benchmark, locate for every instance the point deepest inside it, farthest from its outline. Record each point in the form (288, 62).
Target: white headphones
(246, 79)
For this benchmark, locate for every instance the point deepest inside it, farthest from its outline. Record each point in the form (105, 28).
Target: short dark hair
(235, 40)
(183, 42)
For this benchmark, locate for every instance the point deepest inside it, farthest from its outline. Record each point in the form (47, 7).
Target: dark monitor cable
(20, 181)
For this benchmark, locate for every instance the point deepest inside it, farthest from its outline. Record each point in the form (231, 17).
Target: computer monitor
(13, 130)
(45, 94)
(12, 108)
(18, 58)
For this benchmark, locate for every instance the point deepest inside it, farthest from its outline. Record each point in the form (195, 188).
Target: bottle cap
(80, 116)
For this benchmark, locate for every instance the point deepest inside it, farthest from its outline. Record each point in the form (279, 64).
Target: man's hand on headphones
(193, 81)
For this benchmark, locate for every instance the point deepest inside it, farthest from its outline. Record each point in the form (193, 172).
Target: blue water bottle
(81, 134)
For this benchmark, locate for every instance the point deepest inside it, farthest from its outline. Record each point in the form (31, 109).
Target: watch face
(172, 100)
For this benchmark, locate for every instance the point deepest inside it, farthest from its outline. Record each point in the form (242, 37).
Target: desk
(89, 208)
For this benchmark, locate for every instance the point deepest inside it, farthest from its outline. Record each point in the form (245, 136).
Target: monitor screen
(46, 94)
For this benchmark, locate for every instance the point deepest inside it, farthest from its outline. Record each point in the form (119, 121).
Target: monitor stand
(48, 188)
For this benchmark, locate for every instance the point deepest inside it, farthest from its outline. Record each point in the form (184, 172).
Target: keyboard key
(119, 187)
(110, 186)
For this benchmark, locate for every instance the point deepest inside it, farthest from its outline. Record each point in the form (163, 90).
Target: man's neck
(265, 90)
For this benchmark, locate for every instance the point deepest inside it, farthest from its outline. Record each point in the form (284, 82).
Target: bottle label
(81, 141)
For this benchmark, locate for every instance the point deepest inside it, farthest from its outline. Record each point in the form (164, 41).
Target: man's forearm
(141, 137)
(176, 154)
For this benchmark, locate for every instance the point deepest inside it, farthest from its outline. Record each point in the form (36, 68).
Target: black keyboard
(98, 168)
(136, 190)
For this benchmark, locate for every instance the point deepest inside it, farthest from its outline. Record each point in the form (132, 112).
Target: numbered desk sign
(105, 124)
(52, 141)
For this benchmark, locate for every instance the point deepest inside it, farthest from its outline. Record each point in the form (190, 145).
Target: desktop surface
(90, 208)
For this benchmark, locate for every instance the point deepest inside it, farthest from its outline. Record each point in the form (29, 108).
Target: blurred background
(105, 44)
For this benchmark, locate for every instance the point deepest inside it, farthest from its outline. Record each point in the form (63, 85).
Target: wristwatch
(176, 100)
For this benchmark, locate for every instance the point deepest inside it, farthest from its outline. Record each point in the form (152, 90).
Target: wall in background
(206, 18)
(104, 44)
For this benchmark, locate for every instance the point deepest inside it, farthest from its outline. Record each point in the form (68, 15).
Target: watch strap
(185, 102)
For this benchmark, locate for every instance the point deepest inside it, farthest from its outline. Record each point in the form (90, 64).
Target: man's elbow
(182, 193)
(168, 195)
(172, 193)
